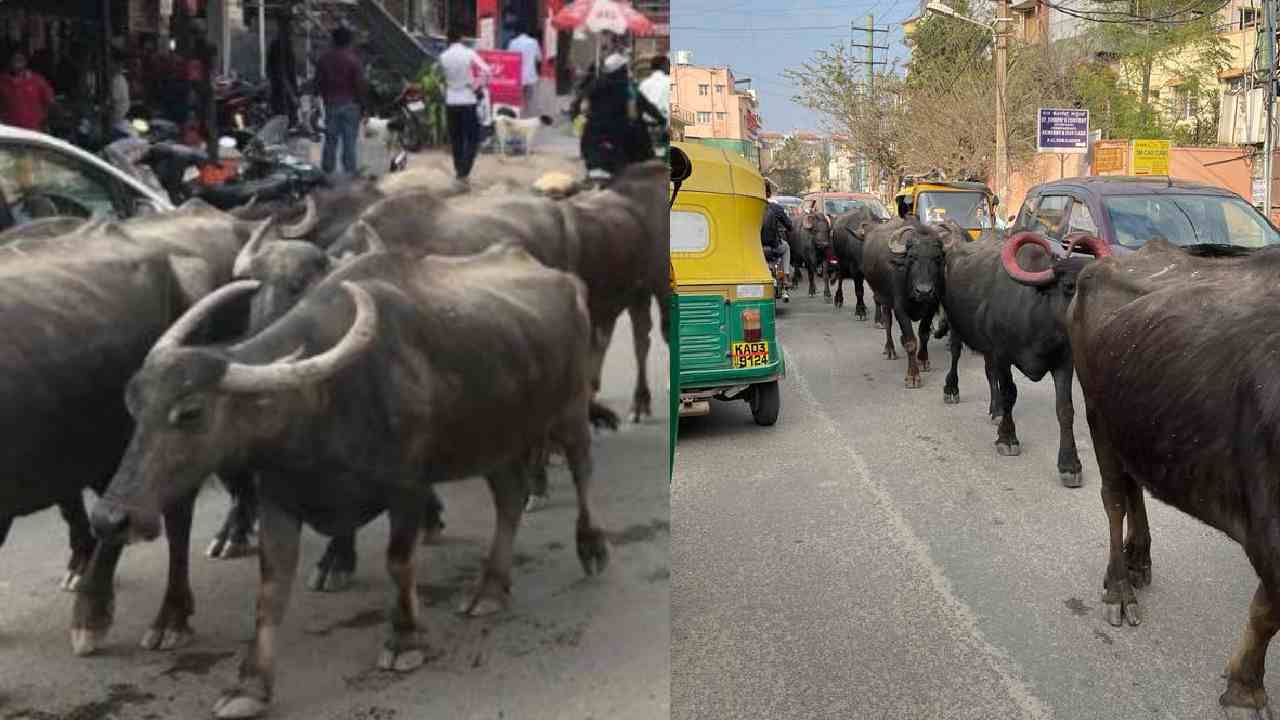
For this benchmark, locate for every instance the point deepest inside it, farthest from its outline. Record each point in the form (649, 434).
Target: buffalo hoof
(951, 397)
(71, 581)
(330, 581)
(535, 502)
(826, 299)
(913, 382)
(1118, 614)
(231, 706)
(593, 551)
(223, 549)
(1008, 449)
(165, 639)
(403, 653)
(861, 315)
(488, 600)
(1235, 712)
(997, 419)
(1071, 479)
(890, 354)
(925, 366)
(86, 641)
(879, 325)
(602, 418)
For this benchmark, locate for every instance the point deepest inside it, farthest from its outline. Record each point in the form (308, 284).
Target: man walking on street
(464, 72)
(340, 82)
(530, 56)
(25, 96)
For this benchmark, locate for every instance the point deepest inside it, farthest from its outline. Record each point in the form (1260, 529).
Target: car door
(39, 181)
(1080, 219)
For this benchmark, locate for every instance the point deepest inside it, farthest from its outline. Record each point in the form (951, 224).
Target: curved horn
(303, 227)
(1009, 257)
(1094, 245)
(285, 375)
(896, 245)
(373, 242)
(252, 201)
(244, 260)
(191, 319)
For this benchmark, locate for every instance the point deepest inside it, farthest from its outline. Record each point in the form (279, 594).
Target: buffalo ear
(194, 276)
(863, 228)
(899, 241)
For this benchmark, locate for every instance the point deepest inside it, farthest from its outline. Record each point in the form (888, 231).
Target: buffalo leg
(537, 476)
(280, 535)
(593, 549)
(923, 334)
(1069, 469)
(1119, 601)
(432, 517)
(1007, 434)
(494, 592)
(910, 346)
(601, 335)
(641, 326)
(839, 281)
(825, 274)
(337, 565)
(995, 408)
(889, 352)
(405, 649)
(1137, 542)
(1245, 670)
(951, 390)
(813, 289)
(80, 537)
(860, 307)
(170, 629)
(94, 608)
(233, 540)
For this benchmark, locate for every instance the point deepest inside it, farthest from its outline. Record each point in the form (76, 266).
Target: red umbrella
(600, 15)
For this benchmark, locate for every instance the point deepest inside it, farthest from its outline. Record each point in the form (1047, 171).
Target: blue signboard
(1062, 130)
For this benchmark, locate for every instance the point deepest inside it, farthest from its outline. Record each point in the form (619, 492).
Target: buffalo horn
(191, 319)
(303, 227)
(896, 244)
(373, 242)
(285, 375)
(244, 260)
(1009, 256)
(1092, 243)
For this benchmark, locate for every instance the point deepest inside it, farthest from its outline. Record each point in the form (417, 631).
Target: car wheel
(766, 403)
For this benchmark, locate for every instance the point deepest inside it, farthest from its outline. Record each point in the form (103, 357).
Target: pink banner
(504, 86)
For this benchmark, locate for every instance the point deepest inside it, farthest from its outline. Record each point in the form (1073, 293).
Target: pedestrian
(464, 73)
(530, 56)
(340, 82)
(657, 87)
(283, 72)
(25, 96)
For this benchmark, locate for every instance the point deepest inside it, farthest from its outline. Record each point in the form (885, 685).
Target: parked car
(1126, 212)
(41, 176)
(839, 203)
(790, 203)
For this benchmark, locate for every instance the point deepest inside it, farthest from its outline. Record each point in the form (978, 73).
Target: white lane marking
(965, 620)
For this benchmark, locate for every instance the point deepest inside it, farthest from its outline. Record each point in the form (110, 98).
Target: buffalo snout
(113, 523)
(923, 291)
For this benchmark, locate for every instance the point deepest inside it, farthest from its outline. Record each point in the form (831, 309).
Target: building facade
(723, 115)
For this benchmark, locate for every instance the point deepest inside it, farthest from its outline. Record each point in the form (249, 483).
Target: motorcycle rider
(615, 134)
(774, 232)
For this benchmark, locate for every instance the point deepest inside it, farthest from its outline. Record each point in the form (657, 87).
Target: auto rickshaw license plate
(750, 354)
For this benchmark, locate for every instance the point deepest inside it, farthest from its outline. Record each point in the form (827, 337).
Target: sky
(724, 32)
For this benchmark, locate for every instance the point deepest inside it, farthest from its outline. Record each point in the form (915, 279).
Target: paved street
(871, 556)
(569, 647)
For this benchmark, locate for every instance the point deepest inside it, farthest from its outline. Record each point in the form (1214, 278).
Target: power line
(1127, 18)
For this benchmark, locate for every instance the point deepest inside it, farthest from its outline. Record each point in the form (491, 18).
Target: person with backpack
(774, 232)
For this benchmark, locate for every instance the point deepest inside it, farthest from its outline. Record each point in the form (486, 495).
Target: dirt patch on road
(196, 663)
(362, 619)
(639, 533)
(118, 697)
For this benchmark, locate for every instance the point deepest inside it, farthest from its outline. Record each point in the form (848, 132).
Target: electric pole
(1002, 149)
(871, 64)
(1268, 144)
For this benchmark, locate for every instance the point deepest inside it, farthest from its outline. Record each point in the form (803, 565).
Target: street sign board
(1062, 130)
(1109, 157)
(504, 83)
(1150, 157)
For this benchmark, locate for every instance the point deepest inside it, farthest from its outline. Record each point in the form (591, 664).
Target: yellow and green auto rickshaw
(725, 333)
(971, 204)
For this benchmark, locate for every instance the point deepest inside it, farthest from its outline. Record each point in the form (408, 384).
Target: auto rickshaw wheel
(766, 402)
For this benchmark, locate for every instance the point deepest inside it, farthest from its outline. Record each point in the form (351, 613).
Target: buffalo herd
(329, 362)
(1174, 348)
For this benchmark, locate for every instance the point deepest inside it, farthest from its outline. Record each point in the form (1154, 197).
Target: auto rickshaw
(971, 204)
(727, 346)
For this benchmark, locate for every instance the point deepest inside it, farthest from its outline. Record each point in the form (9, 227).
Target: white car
(41, 175)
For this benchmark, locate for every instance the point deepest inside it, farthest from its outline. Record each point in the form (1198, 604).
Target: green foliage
(789, 170)
(943, 48)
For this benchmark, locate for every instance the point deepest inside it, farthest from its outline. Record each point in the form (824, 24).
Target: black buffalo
(1008, 302)
(903, 263)
(848, 239)
(810, 247)
(1175, 352)
(388, 376)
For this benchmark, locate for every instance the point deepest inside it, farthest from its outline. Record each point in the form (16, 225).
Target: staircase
(394, 46)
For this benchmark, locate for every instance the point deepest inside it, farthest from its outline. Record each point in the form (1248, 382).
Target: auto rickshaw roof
(720, 171)
(944, 186)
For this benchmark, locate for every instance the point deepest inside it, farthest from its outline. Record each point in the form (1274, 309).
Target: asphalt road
(870, 556)
(569, 646)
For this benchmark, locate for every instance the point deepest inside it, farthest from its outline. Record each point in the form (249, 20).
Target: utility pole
(1002, 134)
(1268, 143)
(871, 63)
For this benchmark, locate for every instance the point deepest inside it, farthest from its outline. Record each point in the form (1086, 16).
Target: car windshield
(1188, 220)
(969, 209)
(840, 206)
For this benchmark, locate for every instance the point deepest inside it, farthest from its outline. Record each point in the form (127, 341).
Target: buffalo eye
(186, 414)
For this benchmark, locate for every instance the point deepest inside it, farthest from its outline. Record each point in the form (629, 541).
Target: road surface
(569, 647)
(871, 556)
